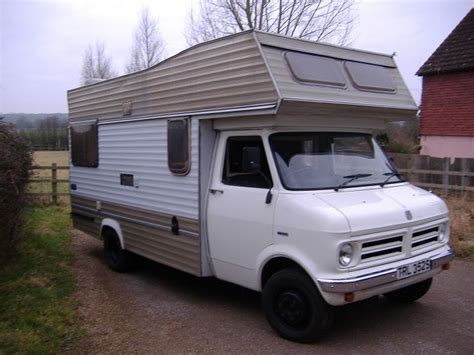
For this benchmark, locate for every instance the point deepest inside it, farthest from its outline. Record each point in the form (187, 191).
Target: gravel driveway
(160, 310)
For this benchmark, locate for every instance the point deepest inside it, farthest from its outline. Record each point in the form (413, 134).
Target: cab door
(241, 206)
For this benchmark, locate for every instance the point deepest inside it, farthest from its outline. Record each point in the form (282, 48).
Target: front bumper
(377, 278)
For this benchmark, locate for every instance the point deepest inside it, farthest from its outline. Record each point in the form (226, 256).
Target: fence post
(54, 183)
(445, 176)
(414, 166)
(464, 170)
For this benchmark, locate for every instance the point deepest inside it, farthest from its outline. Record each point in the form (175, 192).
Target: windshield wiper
(351, 178)
(389, 176)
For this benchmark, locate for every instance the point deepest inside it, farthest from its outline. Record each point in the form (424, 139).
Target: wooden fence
(50, 147)
(52, 181)
(445, 175)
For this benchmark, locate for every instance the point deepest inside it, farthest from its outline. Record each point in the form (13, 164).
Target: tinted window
(246, 163)
(370, 77)
(179, 161)
(84, 145)
(315, 69)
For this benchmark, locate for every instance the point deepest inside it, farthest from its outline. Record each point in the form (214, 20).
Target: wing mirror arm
(268, 199)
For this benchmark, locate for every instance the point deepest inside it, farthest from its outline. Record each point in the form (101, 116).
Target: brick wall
(448, 104)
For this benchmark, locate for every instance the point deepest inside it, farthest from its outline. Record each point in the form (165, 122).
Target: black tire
(294, 308)
(410, 293)
(117, 259)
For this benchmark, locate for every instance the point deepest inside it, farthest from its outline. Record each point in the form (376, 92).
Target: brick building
(447, 102)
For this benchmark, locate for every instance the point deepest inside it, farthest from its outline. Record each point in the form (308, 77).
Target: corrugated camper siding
(144, 211)
(218, 74)
(140, 148)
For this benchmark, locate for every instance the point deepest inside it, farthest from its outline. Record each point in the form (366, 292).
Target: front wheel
(294, 308)
(410, 293)
(117, 259)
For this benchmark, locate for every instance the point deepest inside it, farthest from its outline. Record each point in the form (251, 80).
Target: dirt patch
(160, 310)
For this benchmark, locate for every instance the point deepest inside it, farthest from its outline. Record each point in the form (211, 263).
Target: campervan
(251, 158)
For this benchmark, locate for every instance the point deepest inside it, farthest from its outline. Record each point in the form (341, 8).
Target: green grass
(37, 311)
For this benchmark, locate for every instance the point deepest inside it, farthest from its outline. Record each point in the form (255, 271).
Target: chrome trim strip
(133, 220)
(442, 258)
(377, 278)
(358, 283)
(265, 106)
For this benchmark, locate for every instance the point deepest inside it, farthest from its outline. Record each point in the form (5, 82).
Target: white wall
(447, 146)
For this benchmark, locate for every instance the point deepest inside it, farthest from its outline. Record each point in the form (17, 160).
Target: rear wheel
(294, 308)
(117, 259)
(410, 293)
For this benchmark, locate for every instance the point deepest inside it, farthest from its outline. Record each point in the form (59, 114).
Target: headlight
(444, 232)
(345, 254)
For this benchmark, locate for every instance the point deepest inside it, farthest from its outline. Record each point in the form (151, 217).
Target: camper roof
(252, 72)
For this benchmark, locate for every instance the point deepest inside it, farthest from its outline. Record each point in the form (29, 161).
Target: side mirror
(251, 159)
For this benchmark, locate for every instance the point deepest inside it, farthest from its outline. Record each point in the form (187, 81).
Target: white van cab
(251, 158)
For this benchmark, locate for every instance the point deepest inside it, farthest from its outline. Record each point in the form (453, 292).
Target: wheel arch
(111, 224)
(274, 265)
(277, 263)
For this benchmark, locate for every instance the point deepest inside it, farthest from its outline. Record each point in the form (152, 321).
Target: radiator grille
(399, 244)
(425, 237)
(387, 246)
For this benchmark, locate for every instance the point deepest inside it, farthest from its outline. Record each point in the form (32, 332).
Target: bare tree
(320, 20)
(148, 46)
(96, 64)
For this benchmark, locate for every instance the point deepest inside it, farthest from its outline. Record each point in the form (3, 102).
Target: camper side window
(84, 145)
(179, 161)
(246, 163)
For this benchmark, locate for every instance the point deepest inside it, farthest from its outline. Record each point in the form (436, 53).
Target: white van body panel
(240, 223)
(374, 208)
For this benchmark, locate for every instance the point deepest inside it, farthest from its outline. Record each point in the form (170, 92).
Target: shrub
(461, 210)
(15, 170)
(400, 137)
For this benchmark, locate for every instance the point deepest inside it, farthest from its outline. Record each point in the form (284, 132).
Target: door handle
(214, 191)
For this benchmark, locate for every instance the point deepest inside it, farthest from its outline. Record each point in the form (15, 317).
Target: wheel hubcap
(292, 308)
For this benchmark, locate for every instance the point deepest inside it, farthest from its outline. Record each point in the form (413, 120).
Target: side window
(179, 161)
(84, 145)
(246, 163)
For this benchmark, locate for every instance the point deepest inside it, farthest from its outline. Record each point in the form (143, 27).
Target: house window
(246, 163)
(179, 161)
(84, 145)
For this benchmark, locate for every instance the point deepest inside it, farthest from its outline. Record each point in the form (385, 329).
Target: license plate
(413, 269)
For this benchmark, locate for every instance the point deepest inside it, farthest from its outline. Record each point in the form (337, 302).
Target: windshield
(323, 160)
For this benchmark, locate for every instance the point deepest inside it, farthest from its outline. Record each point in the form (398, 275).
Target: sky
(42, 42)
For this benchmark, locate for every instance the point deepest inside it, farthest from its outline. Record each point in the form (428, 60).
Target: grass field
(47, 158)
(37, 311)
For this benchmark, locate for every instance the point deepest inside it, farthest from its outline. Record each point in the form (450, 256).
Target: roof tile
(456, 53)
